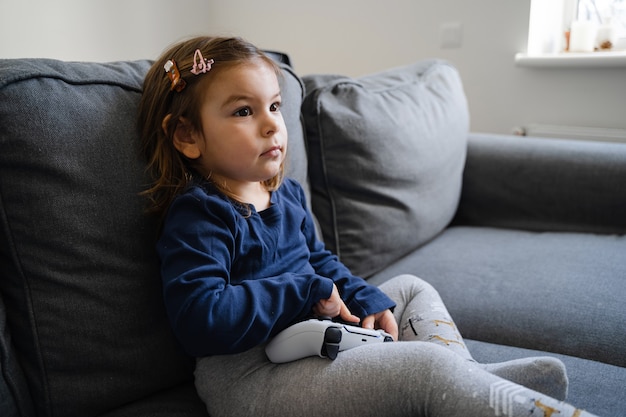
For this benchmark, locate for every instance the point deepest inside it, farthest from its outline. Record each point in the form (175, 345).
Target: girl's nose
(271, 124)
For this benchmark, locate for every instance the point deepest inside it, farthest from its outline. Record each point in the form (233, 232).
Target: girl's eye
(275, 107)
(243, 112)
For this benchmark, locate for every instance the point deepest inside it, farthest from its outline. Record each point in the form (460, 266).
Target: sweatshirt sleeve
(361, 298)
(209, 313)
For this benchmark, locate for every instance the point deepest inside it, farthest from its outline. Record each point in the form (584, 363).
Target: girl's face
(243, 138)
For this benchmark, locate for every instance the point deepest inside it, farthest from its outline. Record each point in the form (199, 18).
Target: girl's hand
(334, 307)
(383, 320)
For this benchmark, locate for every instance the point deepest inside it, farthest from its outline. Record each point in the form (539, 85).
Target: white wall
(350, 37)
(97, 30)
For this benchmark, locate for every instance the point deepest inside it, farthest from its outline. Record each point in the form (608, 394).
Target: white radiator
(572, 132)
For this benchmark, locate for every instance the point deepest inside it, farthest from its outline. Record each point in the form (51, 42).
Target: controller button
(332, 338)
(330, 351)
(332, 335)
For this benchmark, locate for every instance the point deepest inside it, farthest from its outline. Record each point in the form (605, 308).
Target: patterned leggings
(428, 373)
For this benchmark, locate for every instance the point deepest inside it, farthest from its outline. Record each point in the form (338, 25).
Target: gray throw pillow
(386, 156)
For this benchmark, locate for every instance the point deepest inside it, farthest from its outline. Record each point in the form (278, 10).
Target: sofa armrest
(544, 184)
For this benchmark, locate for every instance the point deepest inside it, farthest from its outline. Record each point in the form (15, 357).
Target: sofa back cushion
(78, 272)
(386, 156)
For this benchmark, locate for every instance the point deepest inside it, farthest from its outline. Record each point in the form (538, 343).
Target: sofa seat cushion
(180, 401)
(541, 291)
(385, 151)
(593, 386)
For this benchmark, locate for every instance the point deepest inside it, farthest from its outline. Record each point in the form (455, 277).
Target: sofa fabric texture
(538, 182)
(524, 238)
(386, 150)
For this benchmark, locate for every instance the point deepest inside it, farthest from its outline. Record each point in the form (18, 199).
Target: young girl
(240, 262)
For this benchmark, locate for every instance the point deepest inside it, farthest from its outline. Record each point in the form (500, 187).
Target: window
(550, 20)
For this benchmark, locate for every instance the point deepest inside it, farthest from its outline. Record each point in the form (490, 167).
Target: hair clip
(200, 64)
(174, 75)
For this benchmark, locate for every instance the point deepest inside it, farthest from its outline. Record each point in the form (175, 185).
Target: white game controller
(320, 337)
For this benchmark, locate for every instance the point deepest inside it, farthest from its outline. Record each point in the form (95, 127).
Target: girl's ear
(185, 138)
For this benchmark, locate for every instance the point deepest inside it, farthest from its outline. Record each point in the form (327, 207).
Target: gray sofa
(523, 237)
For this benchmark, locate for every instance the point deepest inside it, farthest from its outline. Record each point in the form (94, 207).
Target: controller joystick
(320, 337)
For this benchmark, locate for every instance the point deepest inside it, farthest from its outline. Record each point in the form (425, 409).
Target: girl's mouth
(273, 152)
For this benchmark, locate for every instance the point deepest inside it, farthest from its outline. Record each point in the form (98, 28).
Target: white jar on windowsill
(583, 36)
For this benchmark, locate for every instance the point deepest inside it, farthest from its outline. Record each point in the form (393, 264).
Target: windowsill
(610, 59)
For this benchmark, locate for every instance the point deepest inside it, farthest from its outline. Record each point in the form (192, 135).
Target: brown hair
(171, 171)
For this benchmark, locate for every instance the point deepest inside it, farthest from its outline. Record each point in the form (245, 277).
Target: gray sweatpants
(425, 374)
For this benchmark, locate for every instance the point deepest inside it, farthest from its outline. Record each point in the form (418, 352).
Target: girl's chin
(273, 170)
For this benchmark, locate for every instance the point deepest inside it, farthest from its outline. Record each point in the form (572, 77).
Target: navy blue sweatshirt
(231, 280)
